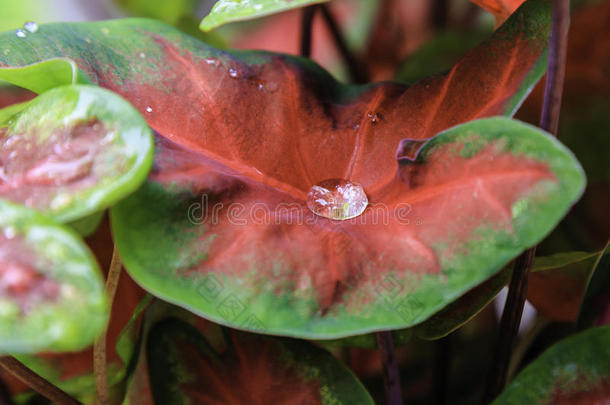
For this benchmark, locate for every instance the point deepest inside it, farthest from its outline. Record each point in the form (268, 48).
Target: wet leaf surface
(73, 151)
(51, 292)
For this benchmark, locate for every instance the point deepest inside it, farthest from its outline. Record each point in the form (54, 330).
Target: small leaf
(51, 292)
(574, 371)
(226, 11)
(73, 151)
(45, 75)
(185, 368)
(595, 309)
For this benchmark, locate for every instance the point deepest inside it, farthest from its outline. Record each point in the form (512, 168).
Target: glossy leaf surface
(226, 11)
(574, 371)
(246, 254)
(72, 151)
(185, 368)
(51, 292)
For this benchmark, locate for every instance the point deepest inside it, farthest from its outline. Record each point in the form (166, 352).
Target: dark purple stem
(549, 121)
(391, 376)
(306, 24)
(36, 382)
(356, 69)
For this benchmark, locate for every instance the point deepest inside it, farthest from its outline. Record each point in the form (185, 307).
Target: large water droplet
(31, 26)
(20, 33)
(337, 199)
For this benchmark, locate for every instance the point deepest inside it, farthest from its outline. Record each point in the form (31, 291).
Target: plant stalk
(391, 376)
(306, 25)
(549, 121)
(5, 395)
(356, 69)
(36, 382)
(99, 347)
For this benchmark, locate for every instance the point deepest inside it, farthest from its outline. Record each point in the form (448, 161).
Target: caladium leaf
(73, 151)
(185, 368)
(244, 253)
(51, 292)
(558, 282)
(595, 308)
(175, 84)
(574, 371)
(226, 11)
(214, 144)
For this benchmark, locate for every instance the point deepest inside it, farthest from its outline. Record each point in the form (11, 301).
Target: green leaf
(185, 368)
(574, 371)
(596, 302)
(74, 151)
(42, 76)
(51, 292)
(226, 11)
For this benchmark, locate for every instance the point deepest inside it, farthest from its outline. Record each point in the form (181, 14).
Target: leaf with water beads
(73, 151)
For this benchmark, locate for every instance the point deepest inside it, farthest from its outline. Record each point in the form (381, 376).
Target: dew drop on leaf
(232, 72)
(337, 199)
(31, 26)
(20, 33)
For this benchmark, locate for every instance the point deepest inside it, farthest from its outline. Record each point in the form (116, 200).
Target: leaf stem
(558, 53)
(549, 121)
(440, 14)
(356, 69)
(99, 347)
(306, 24)
(442, 366)
(391, 376)
(36, 382)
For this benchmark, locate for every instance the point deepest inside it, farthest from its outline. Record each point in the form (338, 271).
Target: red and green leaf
(264, 272)
(73, 151)
(575, 371)
(185, 368)
(51, 292)
(247, 130)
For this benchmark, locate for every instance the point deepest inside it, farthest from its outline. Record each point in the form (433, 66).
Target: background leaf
(184, 367)
(51, 292)
(574, 371)
(226, 11)
(73, 151)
